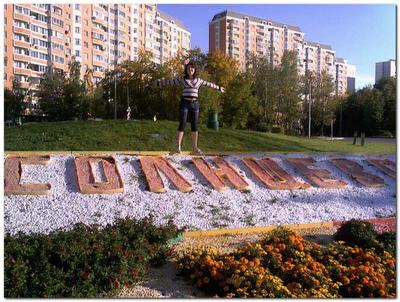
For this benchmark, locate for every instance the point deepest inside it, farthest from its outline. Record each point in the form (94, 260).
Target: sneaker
(197, 151)
(177, 151)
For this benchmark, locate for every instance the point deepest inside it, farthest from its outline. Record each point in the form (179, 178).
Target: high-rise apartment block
(385, 70)
(238, 35)
(97, 35)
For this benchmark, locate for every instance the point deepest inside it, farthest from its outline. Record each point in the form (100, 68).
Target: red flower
(84, 275)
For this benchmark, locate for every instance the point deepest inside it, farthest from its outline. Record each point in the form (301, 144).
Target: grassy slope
(149, 136)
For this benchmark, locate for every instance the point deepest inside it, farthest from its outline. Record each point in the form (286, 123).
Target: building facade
(385, 70)
(351, 78)
(238, 35)
(99, 36)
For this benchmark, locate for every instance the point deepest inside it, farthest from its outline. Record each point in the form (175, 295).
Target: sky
(362, 34)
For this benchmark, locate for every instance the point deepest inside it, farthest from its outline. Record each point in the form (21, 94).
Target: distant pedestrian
(189, 105)
(128, 113)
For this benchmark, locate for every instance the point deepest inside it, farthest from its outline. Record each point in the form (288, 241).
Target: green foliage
(356, 232)
(85, 261)
(13, 101)
(388, 242)
(238, 103)
(277, 129)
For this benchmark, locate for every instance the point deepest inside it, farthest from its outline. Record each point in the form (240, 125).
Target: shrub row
(285, 265)
(363, 234)
(85, 261)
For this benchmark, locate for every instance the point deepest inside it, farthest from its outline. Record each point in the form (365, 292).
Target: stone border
(253, 230)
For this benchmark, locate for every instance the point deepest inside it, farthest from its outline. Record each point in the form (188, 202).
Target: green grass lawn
(152, 136)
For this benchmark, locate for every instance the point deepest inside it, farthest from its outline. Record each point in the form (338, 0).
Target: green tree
(74, 93)
(14, 101)
(289, 101)
(323, 94)
(238, 102)
(51, 94)
(387, 86)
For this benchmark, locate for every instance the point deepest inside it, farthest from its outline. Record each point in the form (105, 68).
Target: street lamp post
(115, 95)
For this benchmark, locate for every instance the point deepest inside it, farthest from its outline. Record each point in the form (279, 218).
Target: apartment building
(99, 36)
(341, 76)
(238, 35)
(385, 70)
(351, 78)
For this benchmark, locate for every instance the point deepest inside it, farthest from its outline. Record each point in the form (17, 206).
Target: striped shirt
(190, 87)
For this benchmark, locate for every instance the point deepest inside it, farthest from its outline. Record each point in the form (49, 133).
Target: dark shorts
(188, 109)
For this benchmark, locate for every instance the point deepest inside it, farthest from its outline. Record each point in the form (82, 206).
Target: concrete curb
(254, 230)
(159, 153)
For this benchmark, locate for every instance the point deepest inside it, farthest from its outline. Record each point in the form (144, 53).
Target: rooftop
(229, 13)
(169, 18)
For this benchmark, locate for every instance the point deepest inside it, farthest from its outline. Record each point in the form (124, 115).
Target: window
(77, 41)
(21, 51)
(57, 46)
(39, 55)
(21, 78)
(86, 33)
(57, 22)
(77, 30)
(21, 24)
(77, 19)
(57, 10)
(40, 43)
(77, 6)
(21, 38)
(86, 56)
(57, 34)
(57, 59)
(86, 44)
(86, 22)
(19, 64)
(21, 10)
(77, 53)
(39, 68)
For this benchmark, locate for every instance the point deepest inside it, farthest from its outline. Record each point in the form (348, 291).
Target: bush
(383, 133)
(356, 232)
(278, 129)
(388, 242)
(285, 265)
(263, 127)
(85, 261)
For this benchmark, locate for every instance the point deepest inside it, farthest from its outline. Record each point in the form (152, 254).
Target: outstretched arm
(163, 83)
(212, 85)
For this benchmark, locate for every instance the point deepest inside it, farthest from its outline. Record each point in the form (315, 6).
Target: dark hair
(195, 70)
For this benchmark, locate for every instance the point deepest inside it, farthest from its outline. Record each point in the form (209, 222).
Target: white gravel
(204, 208)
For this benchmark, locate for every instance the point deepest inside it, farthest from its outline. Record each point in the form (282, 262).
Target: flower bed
(85, 261)
(285, 265)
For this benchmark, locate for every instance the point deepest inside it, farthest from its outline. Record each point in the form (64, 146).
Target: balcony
(99, 21)
(23, 58)
(98, 74)
(22, 17)
(21, 30)
(24, 85)
(22, 71)
(98, 51)
(22, 44)
(98, 40)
